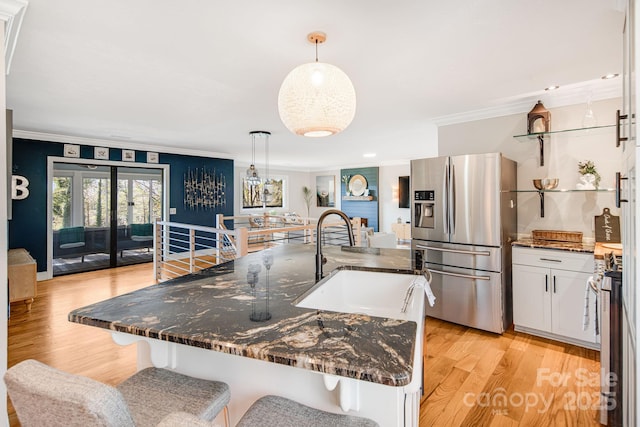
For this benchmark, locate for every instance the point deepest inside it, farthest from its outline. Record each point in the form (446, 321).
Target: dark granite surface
(549, 244)
(212, 310)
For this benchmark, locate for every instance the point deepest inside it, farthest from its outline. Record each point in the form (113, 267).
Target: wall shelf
(567, 190)
(542, 192)
(358, 198)
(595, 130)
(540, 137)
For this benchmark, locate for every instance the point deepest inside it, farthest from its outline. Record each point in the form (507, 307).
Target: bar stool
(271, 411)
(43, 395)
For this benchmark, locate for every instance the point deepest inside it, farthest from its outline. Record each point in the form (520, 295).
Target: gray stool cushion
(183, 419)
(45, 396)
(153, 393)
(276, 411)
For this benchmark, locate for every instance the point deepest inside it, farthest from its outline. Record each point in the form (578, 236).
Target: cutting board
(607, 227)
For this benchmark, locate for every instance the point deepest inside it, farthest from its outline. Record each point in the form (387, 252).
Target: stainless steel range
(611, 340)
(464, 220)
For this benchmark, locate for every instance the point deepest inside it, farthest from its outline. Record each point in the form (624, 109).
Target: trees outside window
(61, 195)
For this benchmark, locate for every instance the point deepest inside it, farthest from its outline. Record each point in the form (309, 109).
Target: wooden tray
(557, 235)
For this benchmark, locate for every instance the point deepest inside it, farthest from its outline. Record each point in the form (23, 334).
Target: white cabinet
(548, 295)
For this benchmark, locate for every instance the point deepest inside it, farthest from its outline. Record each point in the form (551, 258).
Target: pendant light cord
(316, 50)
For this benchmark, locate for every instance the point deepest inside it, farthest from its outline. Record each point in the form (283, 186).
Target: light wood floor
(469, 374)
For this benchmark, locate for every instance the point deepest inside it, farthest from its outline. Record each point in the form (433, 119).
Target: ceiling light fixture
(253, 176)
(369, 155)
(551, 88)
(609, 76)
(316, 99)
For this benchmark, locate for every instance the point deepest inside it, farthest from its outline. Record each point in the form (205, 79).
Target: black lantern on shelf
(539, 122)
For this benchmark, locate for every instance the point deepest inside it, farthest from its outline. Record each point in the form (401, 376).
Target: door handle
(619, 179)
(463, 276)
(452, 209)
(455, 251)
(445, 199)
(546, 283)
(619, 118)
(554, 284)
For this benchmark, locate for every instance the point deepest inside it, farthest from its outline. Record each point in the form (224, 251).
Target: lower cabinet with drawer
(549, 295)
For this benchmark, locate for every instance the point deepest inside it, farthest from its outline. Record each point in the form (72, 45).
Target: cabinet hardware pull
(619, 179)
(550, 260)
(619, 118)
(455, 251)
(554, 284)
(464, 276)
(546, 283)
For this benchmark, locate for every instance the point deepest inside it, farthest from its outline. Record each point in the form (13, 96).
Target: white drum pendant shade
(316, 99)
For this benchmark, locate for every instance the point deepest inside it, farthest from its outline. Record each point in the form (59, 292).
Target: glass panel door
(139, 202)
(87, 233)
(80, 213)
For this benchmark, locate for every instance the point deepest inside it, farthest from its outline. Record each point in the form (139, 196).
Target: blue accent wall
(361, 208)
(28, 226)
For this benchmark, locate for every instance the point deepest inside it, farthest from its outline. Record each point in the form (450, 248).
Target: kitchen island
(200, 325)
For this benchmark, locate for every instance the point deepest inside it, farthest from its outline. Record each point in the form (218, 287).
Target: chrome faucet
(320, 259)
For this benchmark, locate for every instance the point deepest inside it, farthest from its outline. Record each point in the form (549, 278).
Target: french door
(102, 215)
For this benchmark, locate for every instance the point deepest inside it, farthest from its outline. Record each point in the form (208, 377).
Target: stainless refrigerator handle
(464, 276)
(455, 251)
(452, 199)
(445, 199)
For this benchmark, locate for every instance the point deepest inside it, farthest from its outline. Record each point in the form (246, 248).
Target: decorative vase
(587, 182)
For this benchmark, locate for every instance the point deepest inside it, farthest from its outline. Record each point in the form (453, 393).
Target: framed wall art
(71, 150)
(101, 153)
(326, 191)
(152, 157)
(128, 155)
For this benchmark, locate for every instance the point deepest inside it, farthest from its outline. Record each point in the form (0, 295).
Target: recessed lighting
(369, 155)
(610, 76)
(551, 88)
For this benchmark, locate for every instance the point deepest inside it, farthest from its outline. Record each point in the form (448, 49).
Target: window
(96, 196)
(61, 195)
(269, 195)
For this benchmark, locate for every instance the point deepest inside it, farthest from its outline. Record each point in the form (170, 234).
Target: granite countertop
(211, 310)
(549, 244)
(598, 249)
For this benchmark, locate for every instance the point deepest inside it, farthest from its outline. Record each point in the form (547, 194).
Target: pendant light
(316, 99)
(252, 175)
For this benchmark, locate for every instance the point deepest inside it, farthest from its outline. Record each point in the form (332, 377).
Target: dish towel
(426, 286)
(592, 285)
(429, 293)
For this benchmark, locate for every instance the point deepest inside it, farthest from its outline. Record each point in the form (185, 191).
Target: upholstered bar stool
(272, 411)
(45, 396)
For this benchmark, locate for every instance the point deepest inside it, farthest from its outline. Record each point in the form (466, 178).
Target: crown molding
(12, 13)
(128, 145)
(573, 94)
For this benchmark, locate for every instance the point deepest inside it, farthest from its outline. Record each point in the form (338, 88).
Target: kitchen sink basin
(366, 292)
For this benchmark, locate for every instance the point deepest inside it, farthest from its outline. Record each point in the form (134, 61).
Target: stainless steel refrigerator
(463, 222)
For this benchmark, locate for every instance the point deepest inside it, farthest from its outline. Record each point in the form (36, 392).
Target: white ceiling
(199, 75)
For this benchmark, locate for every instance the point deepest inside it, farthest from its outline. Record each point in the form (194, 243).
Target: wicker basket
(557, 235)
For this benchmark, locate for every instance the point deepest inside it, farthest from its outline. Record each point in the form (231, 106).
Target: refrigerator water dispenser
(424, 209)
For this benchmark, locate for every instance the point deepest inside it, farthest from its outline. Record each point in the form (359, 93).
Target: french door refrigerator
(463, 222)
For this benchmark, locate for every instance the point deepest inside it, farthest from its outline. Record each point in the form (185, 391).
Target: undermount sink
(365, 292)
(375, 294)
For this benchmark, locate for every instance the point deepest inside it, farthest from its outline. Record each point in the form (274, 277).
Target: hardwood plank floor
(472, 378)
